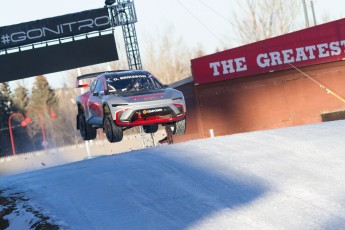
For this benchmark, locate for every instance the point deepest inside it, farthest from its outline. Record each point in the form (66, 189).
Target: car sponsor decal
(128, 77)
(148, 111)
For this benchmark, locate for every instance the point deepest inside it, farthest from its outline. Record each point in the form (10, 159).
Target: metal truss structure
(123, 14)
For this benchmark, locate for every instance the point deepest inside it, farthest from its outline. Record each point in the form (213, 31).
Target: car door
(95, 103)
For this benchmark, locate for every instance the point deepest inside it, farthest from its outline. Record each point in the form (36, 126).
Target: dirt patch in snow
(16, 204)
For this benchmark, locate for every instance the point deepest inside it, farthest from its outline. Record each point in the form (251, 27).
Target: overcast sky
(193, 20)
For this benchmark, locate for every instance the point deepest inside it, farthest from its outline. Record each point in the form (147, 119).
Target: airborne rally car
(120, 100)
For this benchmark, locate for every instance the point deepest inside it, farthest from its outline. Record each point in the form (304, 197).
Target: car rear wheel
(87, 132)
(113, 132)
(179, 127)
(150, 128)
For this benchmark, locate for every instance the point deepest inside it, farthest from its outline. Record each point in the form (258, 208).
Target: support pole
(305, 14)
(313, 12)
(45, 144)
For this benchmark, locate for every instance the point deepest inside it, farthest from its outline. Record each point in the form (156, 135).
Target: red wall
(264, 101)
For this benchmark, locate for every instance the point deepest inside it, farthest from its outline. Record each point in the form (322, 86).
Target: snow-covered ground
(291, 178)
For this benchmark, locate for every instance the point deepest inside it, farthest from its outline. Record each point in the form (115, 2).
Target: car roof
(117, 73)
(125, 73)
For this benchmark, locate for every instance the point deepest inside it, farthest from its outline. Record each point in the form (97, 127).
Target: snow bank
(290, 178)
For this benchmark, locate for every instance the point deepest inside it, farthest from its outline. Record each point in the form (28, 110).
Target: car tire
(179, 127)
(150, 128)
(113, 132)
(87, 132)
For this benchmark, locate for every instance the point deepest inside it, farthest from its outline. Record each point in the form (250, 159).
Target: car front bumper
(137, 116)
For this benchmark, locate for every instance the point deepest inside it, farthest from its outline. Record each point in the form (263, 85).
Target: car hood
(143, 96)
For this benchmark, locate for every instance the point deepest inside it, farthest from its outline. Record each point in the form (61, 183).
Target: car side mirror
(97, 94)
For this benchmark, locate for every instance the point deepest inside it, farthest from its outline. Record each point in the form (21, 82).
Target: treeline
(48, 116)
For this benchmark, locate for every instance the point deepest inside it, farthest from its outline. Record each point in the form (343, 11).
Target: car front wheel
(113, 132)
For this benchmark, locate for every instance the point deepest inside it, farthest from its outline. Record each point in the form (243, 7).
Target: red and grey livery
(120, 100)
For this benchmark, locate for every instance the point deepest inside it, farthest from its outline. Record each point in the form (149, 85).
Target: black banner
(53, 28)
(57, 58)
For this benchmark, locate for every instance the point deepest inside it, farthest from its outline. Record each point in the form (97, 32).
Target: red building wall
(231, 93)
(265, 101)
(269, 101)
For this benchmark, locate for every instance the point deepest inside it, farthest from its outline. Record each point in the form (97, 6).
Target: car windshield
(132, 83)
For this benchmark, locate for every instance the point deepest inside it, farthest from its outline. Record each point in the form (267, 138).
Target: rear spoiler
(86, 76)
(91, 75)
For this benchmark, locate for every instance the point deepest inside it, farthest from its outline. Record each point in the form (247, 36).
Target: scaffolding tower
(123, 14)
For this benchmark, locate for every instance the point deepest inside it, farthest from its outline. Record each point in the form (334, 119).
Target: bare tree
(168, 57)
(266, 18)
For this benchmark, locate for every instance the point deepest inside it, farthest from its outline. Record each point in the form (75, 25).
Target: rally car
(120, 100)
